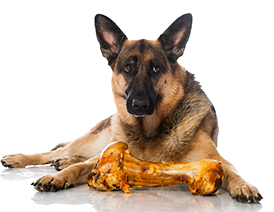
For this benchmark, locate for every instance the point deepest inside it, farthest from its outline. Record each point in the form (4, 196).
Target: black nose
(140, 105)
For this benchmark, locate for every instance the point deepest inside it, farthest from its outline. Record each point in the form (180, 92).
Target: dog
(162, 113)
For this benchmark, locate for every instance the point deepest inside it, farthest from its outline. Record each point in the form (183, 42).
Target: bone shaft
(142, 173)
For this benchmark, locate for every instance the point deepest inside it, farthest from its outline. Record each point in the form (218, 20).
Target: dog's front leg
(239, 189)
(67, 178)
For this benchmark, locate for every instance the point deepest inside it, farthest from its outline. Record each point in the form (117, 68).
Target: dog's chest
(163, 147)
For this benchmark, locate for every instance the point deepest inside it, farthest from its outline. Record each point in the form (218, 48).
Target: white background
(55, 84)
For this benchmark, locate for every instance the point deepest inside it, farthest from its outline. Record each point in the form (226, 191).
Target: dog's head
(143, 71)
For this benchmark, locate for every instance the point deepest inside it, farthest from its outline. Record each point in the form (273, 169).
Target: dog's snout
(140, 104)
(140, 97)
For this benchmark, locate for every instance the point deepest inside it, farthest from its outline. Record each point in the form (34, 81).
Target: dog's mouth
(139, 116)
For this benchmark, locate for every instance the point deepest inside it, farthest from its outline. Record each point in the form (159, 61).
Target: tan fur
(183, 126)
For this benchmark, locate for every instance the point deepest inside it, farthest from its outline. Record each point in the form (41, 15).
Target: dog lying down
(163, 116)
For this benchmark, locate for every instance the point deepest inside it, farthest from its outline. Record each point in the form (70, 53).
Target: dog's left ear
(174, 39)
(110, 37)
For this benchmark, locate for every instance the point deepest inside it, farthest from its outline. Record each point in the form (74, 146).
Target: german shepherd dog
(162, 113)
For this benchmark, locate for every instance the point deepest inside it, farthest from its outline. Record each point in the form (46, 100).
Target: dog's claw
(250, 198)
(244, 192)
(3, 163)
(50, 183)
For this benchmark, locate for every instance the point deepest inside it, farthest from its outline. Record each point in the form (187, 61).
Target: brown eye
(128, 68)
(156, 69)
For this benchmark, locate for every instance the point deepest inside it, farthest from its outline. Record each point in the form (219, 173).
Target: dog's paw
(14, 161)
(244, 192)
(64, 162)
(52, 183)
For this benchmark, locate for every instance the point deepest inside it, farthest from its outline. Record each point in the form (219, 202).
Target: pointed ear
(174, 39)
(110, 37)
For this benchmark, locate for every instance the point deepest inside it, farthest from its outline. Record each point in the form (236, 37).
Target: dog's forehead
(144, 49)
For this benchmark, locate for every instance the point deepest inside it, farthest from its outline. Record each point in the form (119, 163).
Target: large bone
(118, 169)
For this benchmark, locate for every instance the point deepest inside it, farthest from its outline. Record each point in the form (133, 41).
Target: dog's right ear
(110, 37)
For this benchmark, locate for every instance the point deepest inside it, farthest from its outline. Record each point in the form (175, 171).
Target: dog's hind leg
(81, 149)
(22, 160)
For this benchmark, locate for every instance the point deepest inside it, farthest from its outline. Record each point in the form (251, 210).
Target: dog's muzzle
(139, 106)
